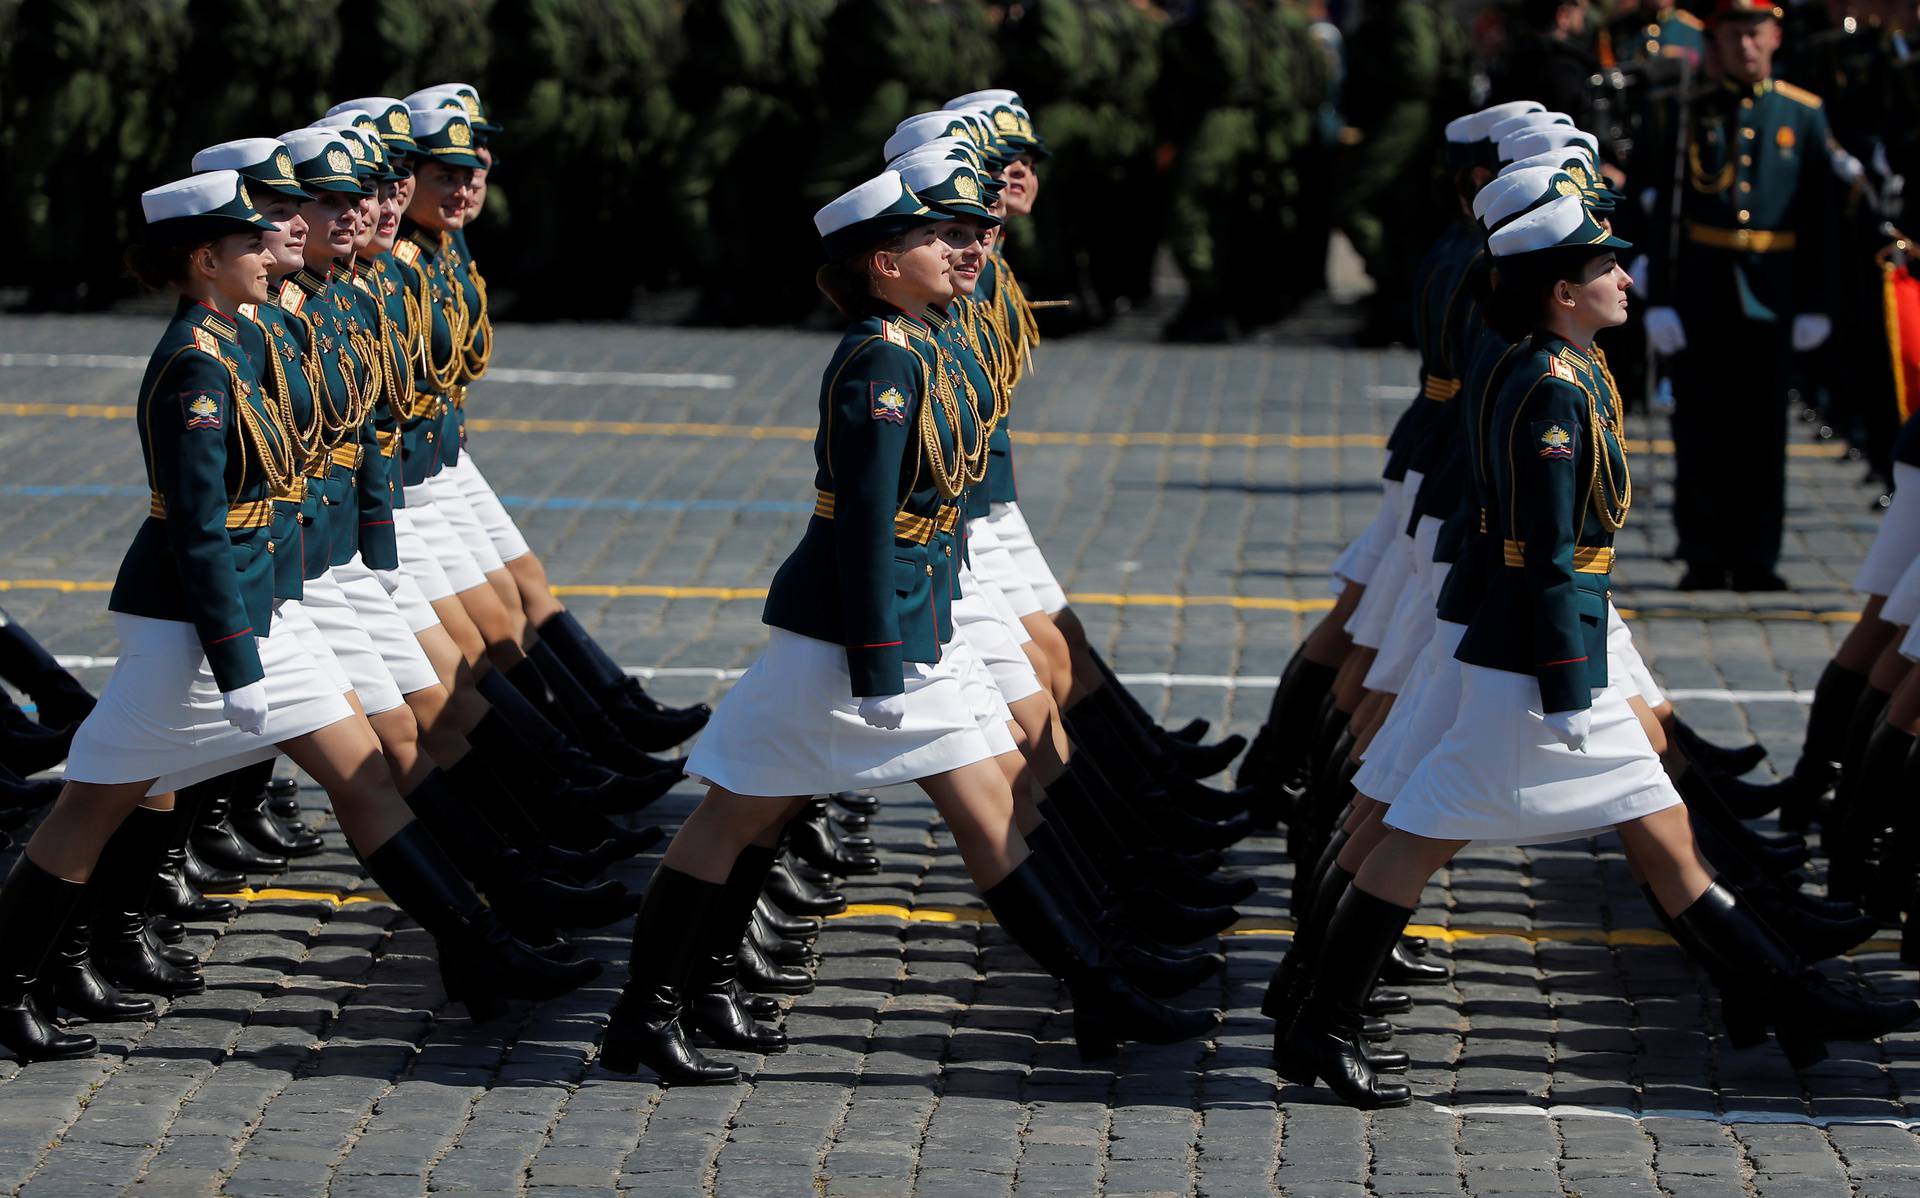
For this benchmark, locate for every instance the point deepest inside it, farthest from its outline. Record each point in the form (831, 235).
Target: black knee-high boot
(1106, 1007)
(1868, 714)
(1835, 697)
(598, 733)
(1763, 986)
(646, 722)
(253, 818)
(34, 906)
(1292, 980)
(1714, 758)
(529, 902)
(567, 815)
(1193, 760)
(175, 897)
(118, 892)
(1875, 798)
(481, 964)
(1325, 1041)
(1156, 973)
(715, 1000)
(1100, 724)
(646, 1027)
(215, 840)
(1286, 740)
(1892, 884)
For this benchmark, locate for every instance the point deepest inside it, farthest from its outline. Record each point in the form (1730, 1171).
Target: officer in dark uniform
(1755, 213)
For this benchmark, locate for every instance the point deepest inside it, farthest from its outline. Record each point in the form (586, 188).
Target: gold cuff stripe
(1440, 390)
(1587, 559)
(906, 525)
(1751, 241)
(257, 513)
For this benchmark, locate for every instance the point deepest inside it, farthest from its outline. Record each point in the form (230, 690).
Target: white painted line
(1396, 391)
(1804, 698)
(1216, 681)
(1721, 1117)
(78, 361)
(501, 374)
(609, 378)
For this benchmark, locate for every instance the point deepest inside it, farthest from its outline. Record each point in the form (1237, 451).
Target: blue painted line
(533, 503)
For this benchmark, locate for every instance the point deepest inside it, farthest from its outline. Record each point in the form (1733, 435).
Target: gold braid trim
(263, 441)
(1025, 331)
(305, 442)
(475, 361)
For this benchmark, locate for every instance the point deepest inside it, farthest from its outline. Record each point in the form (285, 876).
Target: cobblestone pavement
(1192, 500)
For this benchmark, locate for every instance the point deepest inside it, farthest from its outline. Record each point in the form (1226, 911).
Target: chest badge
(1783, 137)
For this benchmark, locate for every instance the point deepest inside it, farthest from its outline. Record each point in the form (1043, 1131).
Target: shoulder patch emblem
(888, 404)
(205, 343)
(895, 334)
(406, 252)
(1555, 442)
(1562, 371)
(200, 410)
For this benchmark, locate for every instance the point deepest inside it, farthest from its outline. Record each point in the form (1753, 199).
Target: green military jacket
(871, 572)
(216, 454)
(377, 488)
(275, 340)
(1441, 288)
(380, 276)
(1557, 477)
(1475, 553)
(966, 335)
(427, 273)
(476, 347)
(347, 382)
(1010, 337)
(1755, 204)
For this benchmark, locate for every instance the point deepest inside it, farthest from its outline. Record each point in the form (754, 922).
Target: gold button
(269, 546)
(1747, 103)
(1747, 133)
(929, 569)
(1746, 160)
(949, 550)
(1745, 216)
(1745, 186)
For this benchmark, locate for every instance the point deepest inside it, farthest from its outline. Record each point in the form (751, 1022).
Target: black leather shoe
(797, 897)
(71, 983)
(215, 842)
(1193, 731)
(793, 927)
(778, 949)
(175, 897)
(208, 880)
(267, 833)
(810, 841)
(165, 930)
(1716, 758)
(857, 801)
(1387, 1002)
(762, 976)
(1405, 969)
(1702, 578)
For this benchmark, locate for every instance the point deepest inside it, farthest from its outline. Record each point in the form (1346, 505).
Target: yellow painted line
(65, 585)
(248, 894)
(794, 432)
(1800, 615)
(1622, 938)
(638, 591)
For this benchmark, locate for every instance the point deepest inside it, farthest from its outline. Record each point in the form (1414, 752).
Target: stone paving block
(934, 1058)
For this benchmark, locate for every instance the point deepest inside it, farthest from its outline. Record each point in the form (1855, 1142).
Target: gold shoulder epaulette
(1798, 93)
(249, 312)
(365, 287)
(206, 344)
(896, 333)
(291, 297)
(1562, 371)
(406, 252)
(1688, 19)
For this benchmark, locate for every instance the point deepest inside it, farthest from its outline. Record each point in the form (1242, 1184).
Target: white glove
(1570, 728)
(1665, 330)
(390, 579)
(1810, 331)
(246, 708)
(883, 711)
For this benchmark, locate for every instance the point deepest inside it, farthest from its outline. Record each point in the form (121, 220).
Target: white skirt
(388, 624)
(492, 514)
(1499, 777)
(1358, 561)
(1903, 601)
(160, 713)
(1625, 666)
(442, 542)
(1420, 717)
(1897, 544)
(991, 562)
(1411, 625)
(450, 500)
(978, 621)
(1910, 645)
(791, 725)
(1010, 525)
(343, 631)
(417, 559)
